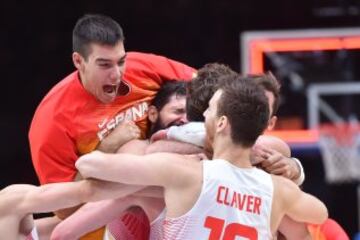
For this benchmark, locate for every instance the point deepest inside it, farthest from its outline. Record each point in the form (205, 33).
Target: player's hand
(274, 162)
(258, 155)
(124, 132)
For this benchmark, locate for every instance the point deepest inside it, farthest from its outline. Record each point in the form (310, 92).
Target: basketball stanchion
(340, 149)
(339, 146)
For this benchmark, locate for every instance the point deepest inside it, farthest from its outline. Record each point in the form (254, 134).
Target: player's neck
(233, 153)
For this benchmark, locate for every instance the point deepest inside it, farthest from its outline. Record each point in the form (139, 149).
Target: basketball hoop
(340, 146)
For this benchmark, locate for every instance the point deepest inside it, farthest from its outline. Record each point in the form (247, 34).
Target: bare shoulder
(284, 183)
(176, 159)
(12, 196)
(285, 189)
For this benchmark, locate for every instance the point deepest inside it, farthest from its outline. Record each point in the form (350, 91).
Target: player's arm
(275, 162)
(53, 196)
(89, 217)
(93, 215)
(99, 190)
(26, 199)
(161, 68)
(274, 156)
(158, 169)
(192, 132)
(298, 205)
(123, 133)
(53, 152)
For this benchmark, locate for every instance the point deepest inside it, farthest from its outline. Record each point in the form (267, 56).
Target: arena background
(36, 54)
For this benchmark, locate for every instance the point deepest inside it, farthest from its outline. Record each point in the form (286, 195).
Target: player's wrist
(300, 177)
(192, 132)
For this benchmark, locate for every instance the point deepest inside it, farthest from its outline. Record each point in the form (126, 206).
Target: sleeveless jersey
(234, 202)
(156, 226)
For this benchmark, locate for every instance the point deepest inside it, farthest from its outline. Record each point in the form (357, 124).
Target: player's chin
(107, 98)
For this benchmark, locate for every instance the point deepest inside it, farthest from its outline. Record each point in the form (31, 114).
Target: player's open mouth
(110, 89)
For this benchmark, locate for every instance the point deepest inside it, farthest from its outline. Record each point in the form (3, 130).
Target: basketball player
(223, 197)
(101, 105)
(167, 109)
(201, 88)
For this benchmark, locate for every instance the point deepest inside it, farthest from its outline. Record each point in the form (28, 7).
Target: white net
(340, 149)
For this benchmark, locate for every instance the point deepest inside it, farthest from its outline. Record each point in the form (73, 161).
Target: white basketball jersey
(235, 203)
(156, 227)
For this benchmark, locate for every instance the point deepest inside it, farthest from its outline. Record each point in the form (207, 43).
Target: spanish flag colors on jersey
(70, 121)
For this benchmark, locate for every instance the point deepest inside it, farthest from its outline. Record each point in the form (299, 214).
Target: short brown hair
(95, 28)
(202, 87)
(245, 105)
(269, 82)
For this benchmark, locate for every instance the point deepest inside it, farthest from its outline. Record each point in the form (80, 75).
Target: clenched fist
(124, 132)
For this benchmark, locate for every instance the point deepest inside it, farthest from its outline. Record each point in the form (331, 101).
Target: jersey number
(232, 230)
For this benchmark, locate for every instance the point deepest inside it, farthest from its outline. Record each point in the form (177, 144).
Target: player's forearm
(149, 170)
(98, 190)
(173, 147)
(90, 217)
(308, 208)
(107, 167)
(319, 212)
(109, 146)
(123, 133)
(97, 214)
(50, 197)
(96, 168)
(299, 173)
(46, 225)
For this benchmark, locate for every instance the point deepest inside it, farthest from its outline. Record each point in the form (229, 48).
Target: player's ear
(222, 123)
(153, 114)
(77, 60)
(271, 123)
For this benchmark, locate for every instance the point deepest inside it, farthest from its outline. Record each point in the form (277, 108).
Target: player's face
(211, 116)
(101, 74)
(172, 114)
